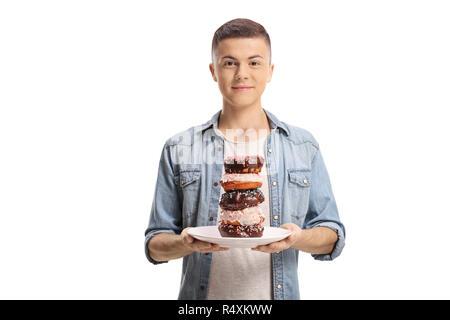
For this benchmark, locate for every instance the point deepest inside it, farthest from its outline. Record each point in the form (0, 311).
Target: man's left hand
(276, 247)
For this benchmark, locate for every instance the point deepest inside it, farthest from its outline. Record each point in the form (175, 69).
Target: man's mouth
(242, 88)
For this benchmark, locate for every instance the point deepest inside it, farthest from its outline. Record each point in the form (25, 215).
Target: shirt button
(219, 149)
(274, 183)
(211, 218)
(275, 217)
(270, 150)
(215, 184)
(279, 286)
(202, 287)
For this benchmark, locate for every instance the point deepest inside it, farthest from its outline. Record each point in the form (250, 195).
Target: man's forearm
(318, 240)
(166, 246)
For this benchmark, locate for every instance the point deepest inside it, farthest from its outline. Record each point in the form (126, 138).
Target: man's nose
(242, 72)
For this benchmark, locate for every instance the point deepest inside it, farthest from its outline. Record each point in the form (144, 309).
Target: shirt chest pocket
(299, 185)
(188, 180)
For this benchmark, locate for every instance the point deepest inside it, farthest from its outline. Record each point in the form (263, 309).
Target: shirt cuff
(150, 235)
(339, 245)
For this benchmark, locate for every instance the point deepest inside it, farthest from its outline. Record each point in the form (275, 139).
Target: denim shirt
(188, 189)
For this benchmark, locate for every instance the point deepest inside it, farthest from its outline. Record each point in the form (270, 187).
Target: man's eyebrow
(233, 58)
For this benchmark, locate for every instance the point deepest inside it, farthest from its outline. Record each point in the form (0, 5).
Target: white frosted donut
(245, 217)
(242, 177)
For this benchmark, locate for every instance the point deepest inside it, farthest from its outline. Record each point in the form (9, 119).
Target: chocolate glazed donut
(229, 230)
(243, 164)
(241, 199)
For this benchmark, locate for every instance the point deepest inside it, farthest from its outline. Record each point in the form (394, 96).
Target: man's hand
(286, 243)
(196, 245)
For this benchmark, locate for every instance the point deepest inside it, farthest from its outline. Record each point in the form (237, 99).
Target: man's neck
(243, 123)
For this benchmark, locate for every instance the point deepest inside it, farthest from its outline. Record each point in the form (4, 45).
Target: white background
(90, 91)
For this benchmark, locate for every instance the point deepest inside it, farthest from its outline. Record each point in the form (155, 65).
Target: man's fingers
(217, 247)
(214, 248)
(200, 246)
(187, 239)
(195, 243)
(285, 243)
(275, 247)
(205, 246)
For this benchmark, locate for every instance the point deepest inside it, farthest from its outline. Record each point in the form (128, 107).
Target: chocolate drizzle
(241, 199)
(229, 230)
(243, 164)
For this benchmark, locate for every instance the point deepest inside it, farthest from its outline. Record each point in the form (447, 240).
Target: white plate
(212, 234)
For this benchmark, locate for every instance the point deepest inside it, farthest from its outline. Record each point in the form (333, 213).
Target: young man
(295, 184)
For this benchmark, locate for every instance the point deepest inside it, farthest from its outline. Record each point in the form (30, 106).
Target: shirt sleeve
(322, 210)
(166, 210)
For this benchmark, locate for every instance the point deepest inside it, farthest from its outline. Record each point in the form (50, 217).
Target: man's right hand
(197, 245)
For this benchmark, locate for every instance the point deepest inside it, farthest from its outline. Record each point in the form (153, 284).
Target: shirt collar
(273, 121)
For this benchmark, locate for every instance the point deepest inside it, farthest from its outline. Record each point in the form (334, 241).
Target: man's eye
(255, 63)
(229, 63)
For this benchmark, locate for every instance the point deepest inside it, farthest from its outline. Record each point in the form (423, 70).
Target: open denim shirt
(188, 189)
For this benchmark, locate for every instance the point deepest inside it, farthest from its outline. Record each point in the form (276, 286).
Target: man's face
(242, 62)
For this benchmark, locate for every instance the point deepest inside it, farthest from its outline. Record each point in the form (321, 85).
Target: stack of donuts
(240, 215)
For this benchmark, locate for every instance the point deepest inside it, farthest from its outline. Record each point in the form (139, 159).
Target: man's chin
(242, 103)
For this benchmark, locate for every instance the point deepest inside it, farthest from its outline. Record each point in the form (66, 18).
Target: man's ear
(211, 68)
(269, 76)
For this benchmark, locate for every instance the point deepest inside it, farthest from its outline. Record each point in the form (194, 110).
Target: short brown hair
(240, 28)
